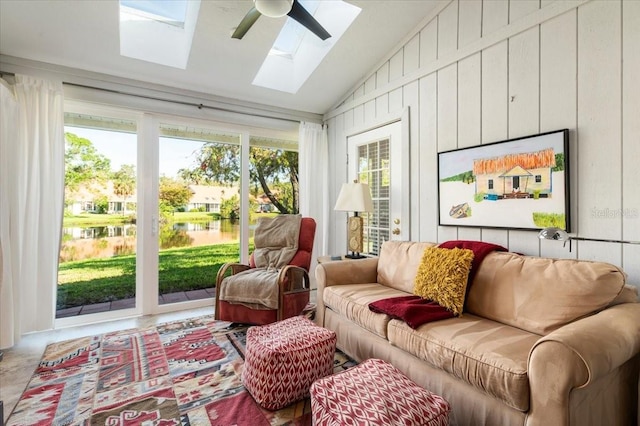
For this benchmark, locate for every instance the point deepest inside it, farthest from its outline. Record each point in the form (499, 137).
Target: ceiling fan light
(273, 8)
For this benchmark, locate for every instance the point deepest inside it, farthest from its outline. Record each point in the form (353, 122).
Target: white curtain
(32, 197)
(313, 156)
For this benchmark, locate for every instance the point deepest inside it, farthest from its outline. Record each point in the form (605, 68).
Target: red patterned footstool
(375, 393)
(284, 358)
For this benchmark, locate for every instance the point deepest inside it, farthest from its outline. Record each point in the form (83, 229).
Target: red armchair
(293, 285)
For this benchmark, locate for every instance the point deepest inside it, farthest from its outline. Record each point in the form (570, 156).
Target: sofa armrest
(578, 354)
(339, 272)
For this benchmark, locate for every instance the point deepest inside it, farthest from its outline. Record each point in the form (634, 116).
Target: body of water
(92, 242)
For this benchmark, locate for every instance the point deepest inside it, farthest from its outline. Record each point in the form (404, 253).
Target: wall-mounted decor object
(519, 183)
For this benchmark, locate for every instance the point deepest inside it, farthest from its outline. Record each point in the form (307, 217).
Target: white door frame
(400, 183)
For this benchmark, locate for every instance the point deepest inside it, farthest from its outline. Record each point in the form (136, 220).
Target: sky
(120, 148)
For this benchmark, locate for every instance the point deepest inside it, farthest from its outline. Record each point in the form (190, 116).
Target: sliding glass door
(155, 205)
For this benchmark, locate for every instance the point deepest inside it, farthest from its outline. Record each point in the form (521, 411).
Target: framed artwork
(519, 183)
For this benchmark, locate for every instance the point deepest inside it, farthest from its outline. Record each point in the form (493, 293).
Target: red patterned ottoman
(284, 358)
(375, 393)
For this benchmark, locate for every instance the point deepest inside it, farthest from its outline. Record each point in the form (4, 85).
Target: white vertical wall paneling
(370, 111)
(448, 30)
(469, 115)
(470, 19)
(579, 87)
(395, 65)
(382, 75)
(558, 100)
(358, 116)
(427, 158)
(494, 117)
(468, 233)
(469, 102)
(348, 121)
(524, 85)
(520, 8)
(447, 119)
(382, 104)
(359, 92)
(411, 99)
(395, 99)
(429, 43)
(448, 108)
(601, 252)
(631, 138)
(494, 93)
(496, 236)
(370, 84)
(495, 15)
(411, 55)
(599, 119)
(630, 121)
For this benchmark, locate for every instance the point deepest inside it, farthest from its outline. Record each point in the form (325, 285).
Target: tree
(124, 183)
(83, 163)
(269, 168)
(173, 193)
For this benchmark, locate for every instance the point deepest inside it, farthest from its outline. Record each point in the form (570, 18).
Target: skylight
(159, 31)
(297, 52)
(169, 11)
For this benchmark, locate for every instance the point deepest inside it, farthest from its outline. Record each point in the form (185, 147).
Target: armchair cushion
(276, 240)
(255, 288)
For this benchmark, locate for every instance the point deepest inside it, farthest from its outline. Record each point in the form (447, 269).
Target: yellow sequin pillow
(442, 277)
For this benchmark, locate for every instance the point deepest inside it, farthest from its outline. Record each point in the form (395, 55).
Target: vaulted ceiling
(85, 35)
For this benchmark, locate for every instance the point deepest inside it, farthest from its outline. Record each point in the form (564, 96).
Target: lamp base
(355, 256)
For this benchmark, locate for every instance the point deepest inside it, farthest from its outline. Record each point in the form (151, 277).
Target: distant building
(84, 200)
(209, 198)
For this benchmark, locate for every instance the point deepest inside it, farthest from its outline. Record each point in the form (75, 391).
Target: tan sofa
(541, 341)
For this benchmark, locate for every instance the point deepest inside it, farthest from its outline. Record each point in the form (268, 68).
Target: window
(538, 178)
(490, 184)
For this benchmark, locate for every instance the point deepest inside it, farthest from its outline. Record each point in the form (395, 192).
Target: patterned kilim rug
(177, 373)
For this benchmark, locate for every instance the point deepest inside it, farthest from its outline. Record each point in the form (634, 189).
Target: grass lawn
(101, 280)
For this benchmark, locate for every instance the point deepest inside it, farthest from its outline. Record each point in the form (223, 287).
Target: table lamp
(354, 197)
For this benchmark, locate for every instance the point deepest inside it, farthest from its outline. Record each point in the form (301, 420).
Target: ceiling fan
(276, 9)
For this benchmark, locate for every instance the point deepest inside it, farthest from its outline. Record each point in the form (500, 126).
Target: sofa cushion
(486, 354)
(352, 301)
(541, 294)
(398, 263)
(442, 277)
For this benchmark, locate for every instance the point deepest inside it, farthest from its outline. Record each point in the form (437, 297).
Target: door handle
(396, 231)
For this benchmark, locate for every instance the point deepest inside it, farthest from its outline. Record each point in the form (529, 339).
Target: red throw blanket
(414, 310)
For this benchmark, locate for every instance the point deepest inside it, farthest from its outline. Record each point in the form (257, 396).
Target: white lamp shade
(273, 8)
(354, 197)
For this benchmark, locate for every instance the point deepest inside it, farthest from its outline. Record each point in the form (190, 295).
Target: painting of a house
(520, 183)
(521, 175)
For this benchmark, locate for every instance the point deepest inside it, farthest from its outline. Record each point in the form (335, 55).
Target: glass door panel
(379, 157)
(97, 260)
(198, 225)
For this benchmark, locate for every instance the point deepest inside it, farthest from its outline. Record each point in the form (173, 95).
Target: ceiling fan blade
(249, 19)
(300, 14)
